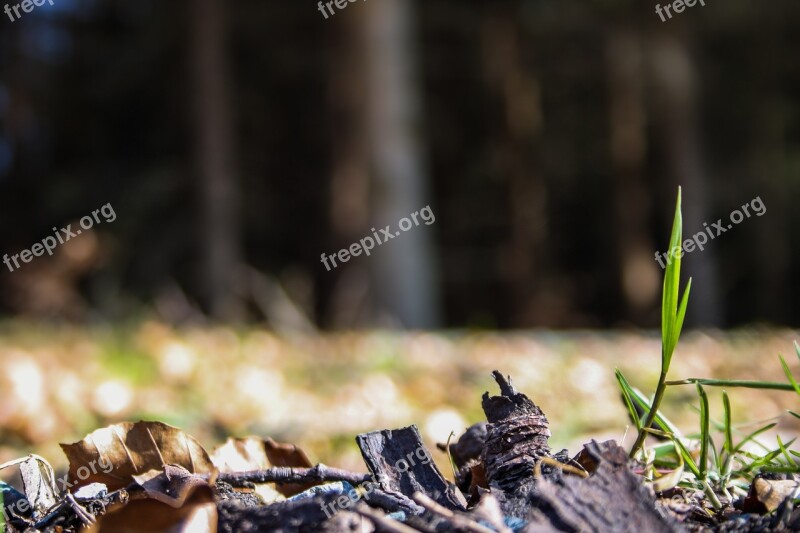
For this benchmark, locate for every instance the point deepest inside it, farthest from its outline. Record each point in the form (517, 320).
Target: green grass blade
(687, 457)
(676, 333)
(669, 300)
(661, 421)
(744, 383)
(753, 435)
(726, 404)
(762, 461)
(627, 396)
(786, 453)
(704, 430)
(789, 375)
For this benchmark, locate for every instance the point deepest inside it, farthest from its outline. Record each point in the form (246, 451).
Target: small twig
(382, 523)
(85, 517)
(458, 521)
(285, 474)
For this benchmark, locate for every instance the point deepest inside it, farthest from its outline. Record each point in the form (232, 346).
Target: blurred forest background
(238, 140)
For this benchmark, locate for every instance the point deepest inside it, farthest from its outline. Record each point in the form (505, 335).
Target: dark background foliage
(239, 140)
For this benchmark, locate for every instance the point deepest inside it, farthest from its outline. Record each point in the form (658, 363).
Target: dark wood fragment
(288, 516)
(401, 464)
(611, 499)
(517, 436)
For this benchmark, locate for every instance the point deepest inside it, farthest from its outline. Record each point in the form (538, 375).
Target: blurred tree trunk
(675, 77)
(214, 160)
(639, 274)
(349, 203)
(771, 259)
(533, 290)
(404, 270)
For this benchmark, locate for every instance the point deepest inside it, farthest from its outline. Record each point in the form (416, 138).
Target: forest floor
(61, 383)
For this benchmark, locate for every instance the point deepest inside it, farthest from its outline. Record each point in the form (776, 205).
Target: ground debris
(401, 464)
(517, 435)
(613, 498)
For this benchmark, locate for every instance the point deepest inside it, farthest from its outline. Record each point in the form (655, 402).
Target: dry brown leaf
(172, 486)
(132, 449)
(771, 493)
(241, 455)
(197, 512)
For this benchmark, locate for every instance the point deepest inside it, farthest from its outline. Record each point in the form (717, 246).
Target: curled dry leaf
(197, 512)
(116, 454)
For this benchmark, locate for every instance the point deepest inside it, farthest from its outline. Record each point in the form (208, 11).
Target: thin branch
(284, 474)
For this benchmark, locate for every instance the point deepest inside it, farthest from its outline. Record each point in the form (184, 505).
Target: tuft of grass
(696, 462)
(673, 312)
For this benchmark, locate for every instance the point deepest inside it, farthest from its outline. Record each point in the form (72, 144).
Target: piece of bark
(517, 435)
(401, 463)
(611, 499)
(288, 516)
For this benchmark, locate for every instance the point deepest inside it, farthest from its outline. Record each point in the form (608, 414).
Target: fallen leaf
(770, 494)
(116, 454)
(197, 514)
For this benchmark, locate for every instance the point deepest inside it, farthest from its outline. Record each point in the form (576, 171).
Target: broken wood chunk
(400, 463)
(517, 436)
(613, 498)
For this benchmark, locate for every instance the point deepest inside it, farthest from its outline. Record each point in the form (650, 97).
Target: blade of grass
(733, 383)
(789, 375)
(450, 455)
(727, 446)
(786, 453)
(627, 392)
(672, 315)
(726, 404)
(753, 435)
(704, 429)
(660, 420)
